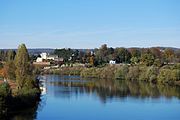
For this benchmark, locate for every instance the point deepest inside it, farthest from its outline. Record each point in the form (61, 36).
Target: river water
(75, 98)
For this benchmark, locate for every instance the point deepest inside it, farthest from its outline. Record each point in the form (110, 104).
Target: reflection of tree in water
(108, 89)
(26, 114)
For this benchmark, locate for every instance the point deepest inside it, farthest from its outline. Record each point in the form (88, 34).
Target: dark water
(73, 98)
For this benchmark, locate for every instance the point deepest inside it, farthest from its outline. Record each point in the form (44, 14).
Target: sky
(89, 23)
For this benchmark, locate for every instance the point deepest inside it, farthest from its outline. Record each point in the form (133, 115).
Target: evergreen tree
(10, 66)
(23, 68)
(11, 55)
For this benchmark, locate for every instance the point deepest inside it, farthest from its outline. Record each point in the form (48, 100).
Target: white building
(46, 56)
(112, 62)
(39, 59)
(52, 57)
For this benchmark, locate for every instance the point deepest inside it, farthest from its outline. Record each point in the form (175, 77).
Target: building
(39, 59)
(46, 56)
(112, 62)
(52, 57)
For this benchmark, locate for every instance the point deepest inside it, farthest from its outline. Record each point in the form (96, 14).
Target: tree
(102, 54)
(147, 59)
(122, 55)
(23, 68)
(134, 60)
(3, 72)
(10, 66)
(135, 52)
(91, 60)
(168, 55)
(11, 55)
(156, 52)
(64, 53)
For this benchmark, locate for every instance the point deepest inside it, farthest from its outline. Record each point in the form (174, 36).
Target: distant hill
(40, 50)
(36, 51)
(163, 48)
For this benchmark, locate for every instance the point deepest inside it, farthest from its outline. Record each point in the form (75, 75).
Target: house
(39, 59)
(46, 56)
(112, 62)
(52, 57)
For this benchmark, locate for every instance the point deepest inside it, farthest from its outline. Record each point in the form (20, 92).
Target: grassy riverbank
(166, 74)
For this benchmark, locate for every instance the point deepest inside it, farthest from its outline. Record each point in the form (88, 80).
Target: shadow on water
(110, 89)
(29, 114)
(69, 86)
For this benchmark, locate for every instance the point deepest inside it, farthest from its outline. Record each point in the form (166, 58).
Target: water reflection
(78, 91)
(28, 114)
(109, 89)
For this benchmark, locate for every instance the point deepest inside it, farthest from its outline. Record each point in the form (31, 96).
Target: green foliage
(134, 60)
(24, 69)
(121, 72)
(108, 72)
(11, 55)
(151, 73)
(158, 63)
(11, 68)
(22, 66)
(1, 65)
(91, 72)
(133, 73)
(147, 59)
(5, 90)
(168, 55)
(122, 55)
(169, 75)
(5, 94)
(64, 53)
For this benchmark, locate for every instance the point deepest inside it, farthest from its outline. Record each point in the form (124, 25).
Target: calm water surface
(74, 98)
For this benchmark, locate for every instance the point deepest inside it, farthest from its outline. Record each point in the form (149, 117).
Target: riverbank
(10, 102)
(169, 74)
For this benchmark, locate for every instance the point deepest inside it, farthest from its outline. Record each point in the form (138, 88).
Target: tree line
(99, 56)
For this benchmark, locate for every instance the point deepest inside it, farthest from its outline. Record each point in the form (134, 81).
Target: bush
(5, 90)
(133, 73)
(121, 72)
(5, 95)
(26, 97)
(169, 75)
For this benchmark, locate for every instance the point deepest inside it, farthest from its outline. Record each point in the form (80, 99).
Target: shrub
(5, 94)
(169, 75)
(5, 90)
(133, 73)
(121, 72)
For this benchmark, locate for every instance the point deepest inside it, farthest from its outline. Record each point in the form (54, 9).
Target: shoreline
(169, 74)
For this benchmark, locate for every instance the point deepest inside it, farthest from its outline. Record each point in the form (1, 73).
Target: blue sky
(89, 23)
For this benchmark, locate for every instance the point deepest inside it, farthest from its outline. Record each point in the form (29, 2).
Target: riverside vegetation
(156, 65)
(167, 74)
(25, 92)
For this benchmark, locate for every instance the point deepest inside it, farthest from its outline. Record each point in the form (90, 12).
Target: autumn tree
(168, 55)
(147, 59)
(3, 73)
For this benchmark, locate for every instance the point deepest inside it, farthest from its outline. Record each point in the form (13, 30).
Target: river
(75, 98)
